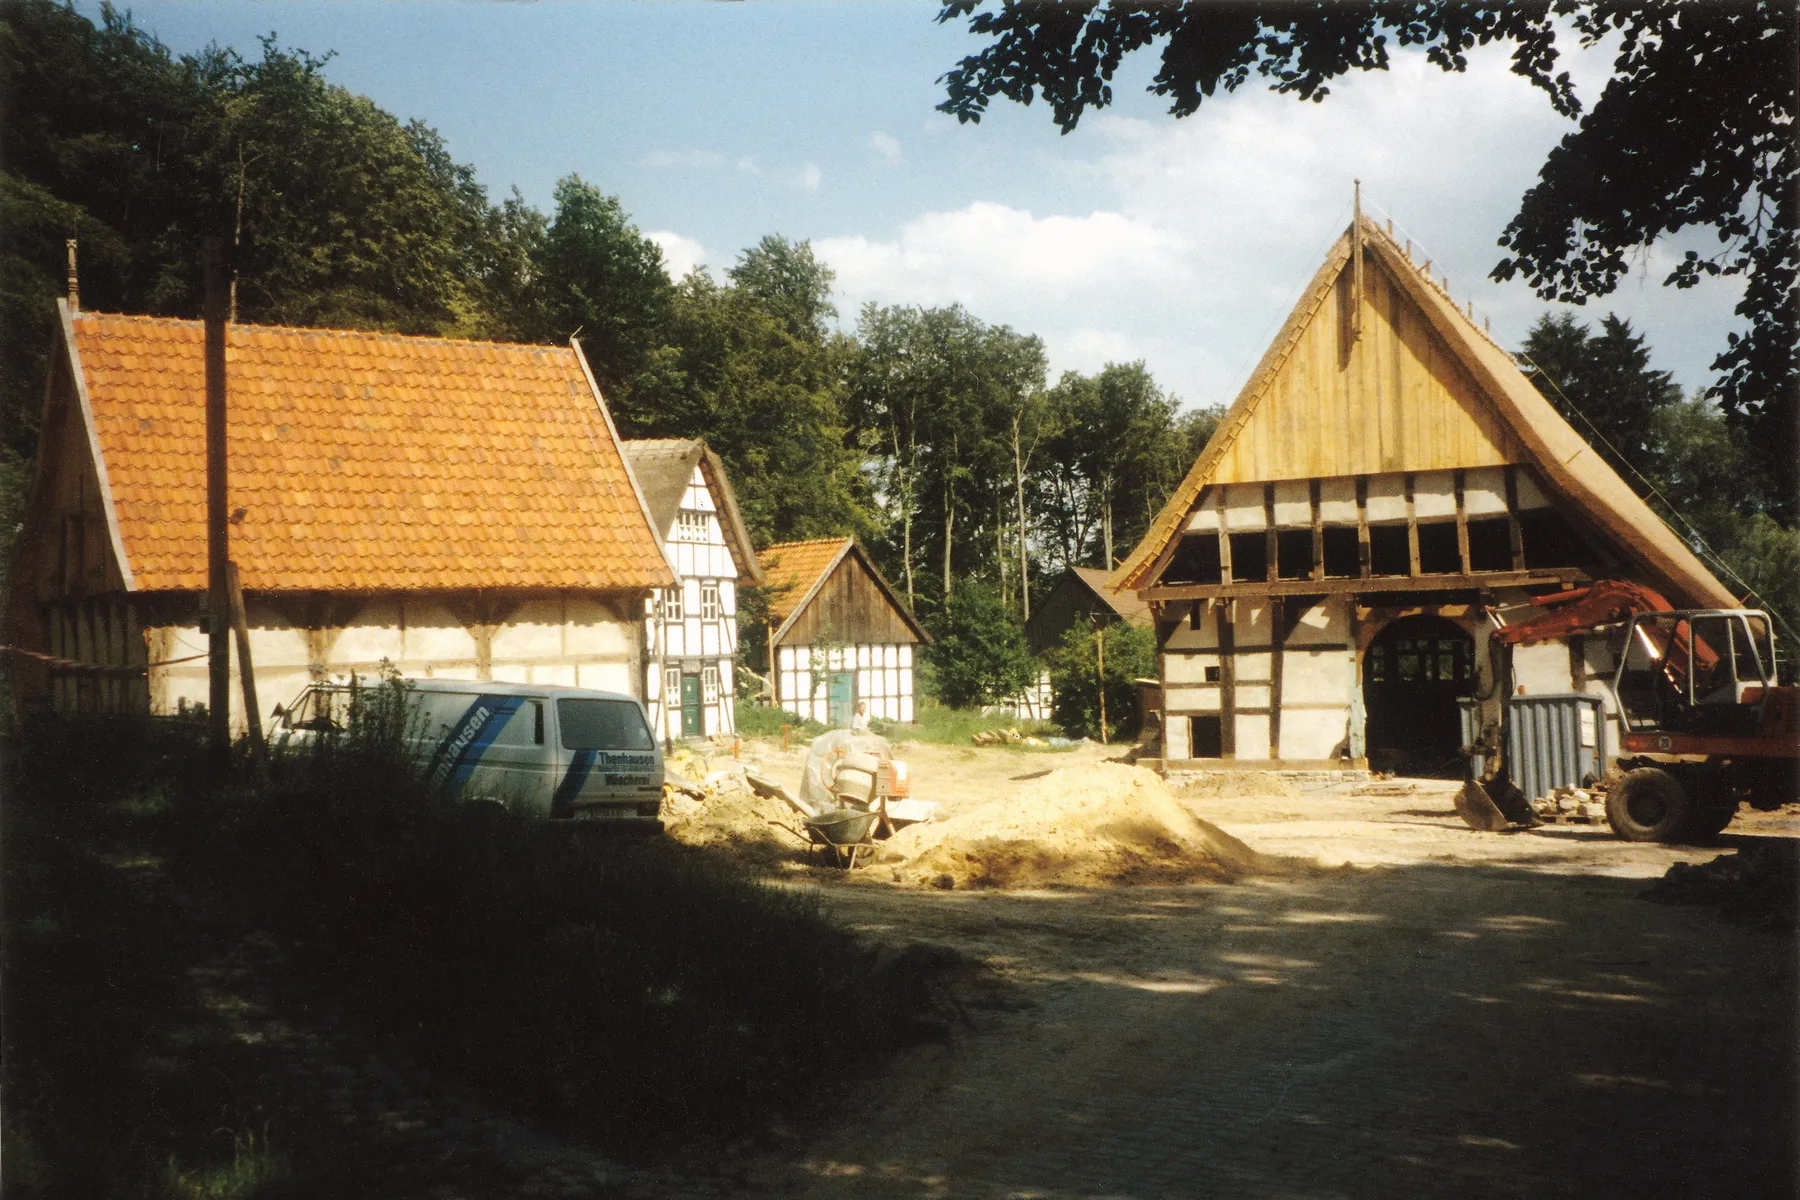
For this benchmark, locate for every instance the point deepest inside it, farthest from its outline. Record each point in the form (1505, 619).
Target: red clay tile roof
(796, 566)
(365, 461)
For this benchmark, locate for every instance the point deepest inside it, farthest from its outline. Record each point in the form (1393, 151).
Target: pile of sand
(1083, 826)
(742, 823)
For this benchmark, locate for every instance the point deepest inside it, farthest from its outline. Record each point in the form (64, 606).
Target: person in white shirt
(859, 723)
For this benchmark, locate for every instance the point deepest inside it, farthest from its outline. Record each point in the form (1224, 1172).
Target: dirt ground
(1425, 1011)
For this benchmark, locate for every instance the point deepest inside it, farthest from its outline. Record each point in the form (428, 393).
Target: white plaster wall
(1311, 733)
(1387, 498)
(378, 631)
(1531, 494)
(530, 649)
(1484, 492)
(1318, 676)
(1187, 668)
(1253, 737)
(1293, 504)
(1204, 698)
(1254, 668)
(1541, 669)
(1175, 738)
(1205, 517)
(1326, 621)
(432, 633)
(1244, 507)
(1185, 637)
(1434, 494)
(1337, 501)
(1252, 628)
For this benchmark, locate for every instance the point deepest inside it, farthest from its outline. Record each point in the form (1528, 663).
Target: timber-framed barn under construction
(1325, 576)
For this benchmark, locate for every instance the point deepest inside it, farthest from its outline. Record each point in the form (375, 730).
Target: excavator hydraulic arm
(1572, 612)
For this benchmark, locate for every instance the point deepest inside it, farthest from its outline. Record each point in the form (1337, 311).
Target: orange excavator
(1702, 725)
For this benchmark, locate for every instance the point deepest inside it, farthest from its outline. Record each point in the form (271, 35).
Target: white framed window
(672, 686)
(710, 608)
(690, 526)
(671, 604)
(709, 684)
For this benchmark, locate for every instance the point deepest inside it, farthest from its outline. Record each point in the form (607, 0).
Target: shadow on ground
(1425, 1030)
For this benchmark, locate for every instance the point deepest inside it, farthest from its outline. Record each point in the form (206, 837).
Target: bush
(978, 653)
(1074, 684)
(624, 988)
(955, 726)
(620, 988)
(760, 720)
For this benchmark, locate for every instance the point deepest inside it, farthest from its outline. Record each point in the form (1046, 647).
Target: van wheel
(1648, 805)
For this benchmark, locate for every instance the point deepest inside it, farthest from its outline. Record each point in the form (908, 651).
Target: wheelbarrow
(846, 832)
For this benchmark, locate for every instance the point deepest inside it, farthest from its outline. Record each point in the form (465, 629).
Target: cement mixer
(853, 791)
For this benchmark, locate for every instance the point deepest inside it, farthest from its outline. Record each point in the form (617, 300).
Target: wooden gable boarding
(838, 625)
(452, 508)
(1386, 459)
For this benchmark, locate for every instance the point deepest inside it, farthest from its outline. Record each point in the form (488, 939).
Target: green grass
(956, 726)
(114, 1069)
(625, 990)
(757, 720)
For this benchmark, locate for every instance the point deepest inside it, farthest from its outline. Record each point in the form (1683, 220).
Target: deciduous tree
(1694, 130)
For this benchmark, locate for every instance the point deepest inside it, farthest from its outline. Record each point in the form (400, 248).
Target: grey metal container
(1468, 712)
(1553, 741)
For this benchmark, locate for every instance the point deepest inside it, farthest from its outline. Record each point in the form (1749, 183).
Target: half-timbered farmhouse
(839, 635)
(691, 626)
(1083, 596)
(1324, 576)
(452, 508)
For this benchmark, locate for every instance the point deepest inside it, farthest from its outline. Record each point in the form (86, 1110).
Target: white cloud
(703, 159)
(681, 254)
(1217, 221)
(886, 147)
(808, 177)
(748, 165)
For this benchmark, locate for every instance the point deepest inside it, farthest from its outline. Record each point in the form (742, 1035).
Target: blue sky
(1179, 242)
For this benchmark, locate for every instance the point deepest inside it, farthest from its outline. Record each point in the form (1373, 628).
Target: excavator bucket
(1494, 811)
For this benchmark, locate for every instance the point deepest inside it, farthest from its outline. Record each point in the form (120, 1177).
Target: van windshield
(602, 725)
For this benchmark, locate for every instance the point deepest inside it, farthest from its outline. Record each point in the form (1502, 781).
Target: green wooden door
(840, 701)
(693, 722)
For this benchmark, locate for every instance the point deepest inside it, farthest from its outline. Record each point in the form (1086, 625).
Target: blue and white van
(562, 752)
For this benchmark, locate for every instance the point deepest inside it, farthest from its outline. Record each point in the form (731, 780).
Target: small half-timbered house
(839, 634)
(1325, 577)
(450, 509)
(691, 630)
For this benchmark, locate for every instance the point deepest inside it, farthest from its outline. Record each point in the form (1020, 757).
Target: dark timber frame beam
(1385, 583)
(1462, 524)
(1227, 614)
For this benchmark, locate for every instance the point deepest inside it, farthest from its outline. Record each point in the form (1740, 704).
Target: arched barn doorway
(1415, 671)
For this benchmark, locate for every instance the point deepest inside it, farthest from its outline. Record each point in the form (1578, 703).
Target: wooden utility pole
(1100, 675)
(218, 548)
(240, 628)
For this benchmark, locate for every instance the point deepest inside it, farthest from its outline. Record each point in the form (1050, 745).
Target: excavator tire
(1649, 805)
(1710, 819)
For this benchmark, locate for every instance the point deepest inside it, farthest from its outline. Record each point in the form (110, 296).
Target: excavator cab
(1703, 672)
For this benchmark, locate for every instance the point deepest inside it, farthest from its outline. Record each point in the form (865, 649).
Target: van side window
(602, 725)
(524, 728)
